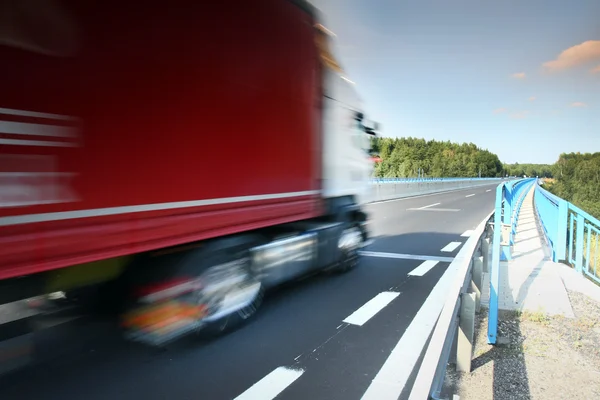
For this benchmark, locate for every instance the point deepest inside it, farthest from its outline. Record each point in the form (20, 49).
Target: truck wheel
(234, 321)
(220, 279)
(349, 245)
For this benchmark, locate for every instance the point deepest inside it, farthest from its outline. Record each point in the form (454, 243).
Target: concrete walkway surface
(531, 281)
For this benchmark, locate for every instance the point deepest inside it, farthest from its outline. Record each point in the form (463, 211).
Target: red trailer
(129, 136)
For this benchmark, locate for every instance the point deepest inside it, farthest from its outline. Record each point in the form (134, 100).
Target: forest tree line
(575, 176)
(539, 170)
(577, 180)
(412, 157)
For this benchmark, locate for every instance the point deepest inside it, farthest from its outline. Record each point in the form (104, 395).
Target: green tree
(405, 157)
(577, 180)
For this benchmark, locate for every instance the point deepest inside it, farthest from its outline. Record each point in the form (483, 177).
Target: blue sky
(445, 70)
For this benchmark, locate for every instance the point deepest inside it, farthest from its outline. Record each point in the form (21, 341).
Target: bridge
(443, 252)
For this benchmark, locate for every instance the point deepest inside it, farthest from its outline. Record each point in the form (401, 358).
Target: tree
(577, 180)
(405, 157)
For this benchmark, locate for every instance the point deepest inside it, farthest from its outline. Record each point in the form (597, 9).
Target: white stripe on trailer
(24, 128)
(100, 212)
(36, 143)
(35, 114)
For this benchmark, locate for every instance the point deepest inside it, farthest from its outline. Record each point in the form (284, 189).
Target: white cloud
(574, 56)
(518, 75)
(578, 104)
(500, 110)
(532, 98)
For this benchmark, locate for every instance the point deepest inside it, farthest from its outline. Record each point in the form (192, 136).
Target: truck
(173, 163)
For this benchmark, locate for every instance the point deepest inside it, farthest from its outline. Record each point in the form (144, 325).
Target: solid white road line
(271, 385)
(393, 375)
(370, 308)
(469, 195)
(423, 268)
(467, 233)
(431, 205)
(450, 247)
(404, 256)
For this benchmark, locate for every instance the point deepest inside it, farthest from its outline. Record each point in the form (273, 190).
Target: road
(326, 337)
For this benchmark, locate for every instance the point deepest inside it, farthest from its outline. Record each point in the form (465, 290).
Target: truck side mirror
(372, 129)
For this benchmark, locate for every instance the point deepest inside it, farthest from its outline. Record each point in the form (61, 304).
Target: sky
(519, 78)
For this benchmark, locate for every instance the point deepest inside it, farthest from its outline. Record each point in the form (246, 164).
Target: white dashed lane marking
(450, 247)
(423, 268)
(371, 308)
(401, 256)
(271, 385)
(431, 205)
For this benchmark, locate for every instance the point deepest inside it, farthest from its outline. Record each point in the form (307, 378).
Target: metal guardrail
(395, 180)
(396, 189)
(456, 323)
(457, 318)
(573, 234)
(509, 197)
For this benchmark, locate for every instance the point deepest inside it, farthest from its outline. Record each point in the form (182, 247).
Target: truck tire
(216, 263)
(234, 321)
(349, 249)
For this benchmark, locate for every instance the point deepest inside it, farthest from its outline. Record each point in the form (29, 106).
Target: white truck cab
(347, 164)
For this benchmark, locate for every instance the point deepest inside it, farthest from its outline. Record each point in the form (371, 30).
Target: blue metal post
(495, 268)
(509, 195)
(579, 243)
(507, 207)
(508, 191)
(560, 247)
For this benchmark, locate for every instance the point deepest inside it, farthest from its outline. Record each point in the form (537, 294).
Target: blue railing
(397, 180)
(573, 234)
(509, 197)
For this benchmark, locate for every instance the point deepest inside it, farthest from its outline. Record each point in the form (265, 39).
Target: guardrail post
(579, 243)
(477, 282)
(485, 251)
(560, 247)
(495, 268)
(466, 331)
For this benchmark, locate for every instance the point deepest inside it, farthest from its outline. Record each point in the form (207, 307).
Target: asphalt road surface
(352, 336)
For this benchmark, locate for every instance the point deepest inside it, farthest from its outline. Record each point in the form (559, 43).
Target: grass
(538, 317)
